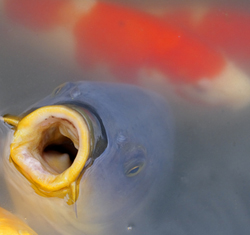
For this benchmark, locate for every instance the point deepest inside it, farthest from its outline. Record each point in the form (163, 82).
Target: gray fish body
(139, 131)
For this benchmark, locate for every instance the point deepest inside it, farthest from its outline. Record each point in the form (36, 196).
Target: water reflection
(209, 191)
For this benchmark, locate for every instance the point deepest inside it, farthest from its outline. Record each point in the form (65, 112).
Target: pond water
(209, 189)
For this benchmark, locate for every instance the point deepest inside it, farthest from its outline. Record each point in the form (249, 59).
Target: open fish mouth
(51, 147)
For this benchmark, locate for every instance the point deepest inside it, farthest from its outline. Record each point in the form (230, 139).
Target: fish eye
(134, 170)
(135, 162)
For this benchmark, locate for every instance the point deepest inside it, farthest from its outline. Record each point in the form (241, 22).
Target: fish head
(120, 158)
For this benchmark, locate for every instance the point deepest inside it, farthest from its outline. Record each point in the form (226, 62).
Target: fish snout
(52, 146)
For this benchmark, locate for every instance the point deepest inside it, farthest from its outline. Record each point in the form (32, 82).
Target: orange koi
(128, 40)
(226, 28)
(133, 39)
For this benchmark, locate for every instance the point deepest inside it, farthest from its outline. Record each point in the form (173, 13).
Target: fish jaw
(11, 225)
(47, 126)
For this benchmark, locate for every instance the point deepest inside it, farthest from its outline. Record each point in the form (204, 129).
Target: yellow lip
(51, 126)
(11, 225)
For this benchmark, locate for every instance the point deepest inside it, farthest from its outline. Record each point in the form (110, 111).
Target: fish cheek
(114, 184)
(127, 182)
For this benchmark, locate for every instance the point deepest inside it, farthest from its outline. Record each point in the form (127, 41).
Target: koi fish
(11, 225)
(90, 159)
(135, 44)
(224, 27)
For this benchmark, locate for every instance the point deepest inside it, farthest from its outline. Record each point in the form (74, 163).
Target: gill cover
(11, 225)
(53, 145)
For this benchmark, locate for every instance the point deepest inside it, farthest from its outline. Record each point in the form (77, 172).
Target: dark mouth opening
(66, 147)
(57, 148)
